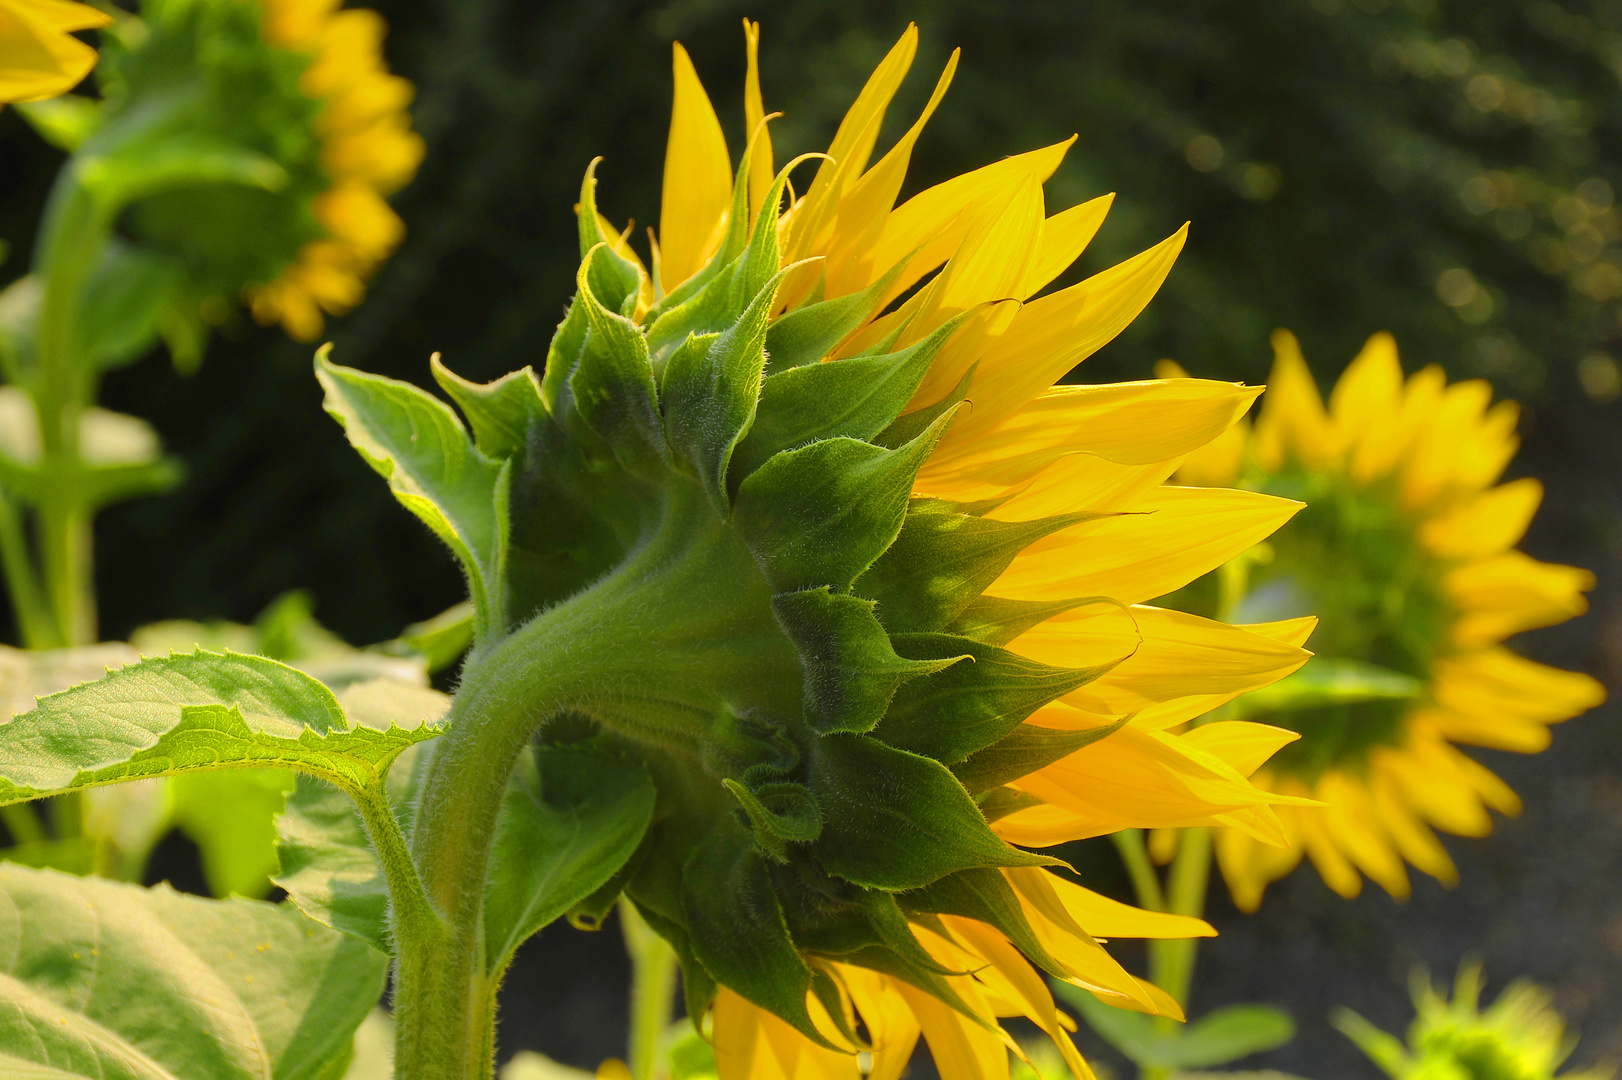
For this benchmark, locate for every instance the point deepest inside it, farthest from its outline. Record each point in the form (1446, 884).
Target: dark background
(1441, 170)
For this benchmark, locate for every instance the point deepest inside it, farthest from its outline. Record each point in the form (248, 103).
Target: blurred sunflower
(1407, 553)
(957, 660)
(39, 57)
(303, 87)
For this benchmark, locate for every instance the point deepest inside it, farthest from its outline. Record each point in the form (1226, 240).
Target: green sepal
(593, 911)
(999, 802)
(821, 514)
(836, 1005)
(417, 444)
(615, 279)
(888, 962)
(833, 918)
(738, 931)
(943, 560)
(101, 979)
(500, 412)
(895, 820)
(123, 301)
(710, 390)
(1023, 751)
(698, 985)
(985, 895)
(997, 620)
(780, 814)
(571, 818)
(562, 356)
(810, 332)
(913, 424)
(612, 383)
(202, 710)
(967, 707)
(851, 670)
(855, 398)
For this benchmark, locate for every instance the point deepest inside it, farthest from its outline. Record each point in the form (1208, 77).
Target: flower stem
(653, 989)
(1171, 962)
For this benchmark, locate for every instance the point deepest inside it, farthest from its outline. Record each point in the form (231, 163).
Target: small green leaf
(952, 713)
(851, 670)
(231, 816)
(100, 979)
(570, 820)
(1328, 680)
(416, 443)
(896, 820)
(738, 932)
(444, 638)
(807, 334)
(1023, 751)
(855, 398)
(500, 413)
(710, 393)
(174, 714)
(821, 514)
(942, 560)
(1216, 1038)
(612, 383)
(327, 865)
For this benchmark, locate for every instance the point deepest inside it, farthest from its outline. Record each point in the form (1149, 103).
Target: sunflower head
(870, 581)
(1406, 551)
(307, 131)
(1519, 1037)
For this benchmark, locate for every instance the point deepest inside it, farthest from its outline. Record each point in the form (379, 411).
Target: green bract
(693, 546)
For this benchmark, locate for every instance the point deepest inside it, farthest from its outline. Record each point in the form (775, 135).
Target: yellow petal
(1365, 404)
(1065, 236)
(1293, 423)
(1485, 524)
(1244, 745)
(1098, 915)
(1351, 825)
(38, 58)
(751, 1043)
(892, 1029)
(1170, 537)
(1053, 334)
(1462, 447)
(1496, 683)
(1512, 592)
(698, 179)
(1412, 837)
(961, 1049)
(762, 171)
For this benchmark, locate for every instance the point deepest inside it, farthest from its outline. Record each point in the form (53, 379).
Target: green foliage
(1519, 1037)
(102, 979)
(1217, 1038)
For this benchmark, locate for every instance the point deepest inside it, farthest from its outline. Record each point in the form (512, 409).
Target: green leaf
(1216, 1038)
(612, 383)
(1328, 680)
(942, 560)
(710, 393)
(327, 864)
(807, 334)
(416, 443)
(850, 669)
(855, 398)
(821, 514)
(65, 122)
(123, 301)
(141, 168)
(231, 816)
(570, 820)
(1023, 751)
(444, 638)
(895, 820)
(174, 714)
(737, 928)
(100, 979)
(968, 706)
(500, 412)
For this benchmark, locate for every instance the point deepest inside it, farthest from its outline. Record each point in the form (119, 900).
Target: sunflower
(302, 88)
(1407, 553)
(39, 57)
(799, 522)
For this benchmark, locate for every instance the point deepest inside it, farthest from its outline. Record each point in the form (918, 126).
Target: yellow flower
(39, 57)
(367, 151)
(1407, 552)
(1067, 527)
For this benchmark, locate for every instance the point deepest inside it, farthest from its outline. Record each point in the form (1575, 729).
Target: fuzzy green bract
(802, 657)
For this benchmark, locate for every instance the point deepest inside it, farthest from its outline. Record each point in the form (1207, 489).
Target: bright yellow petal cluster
(39, 57)
(367, 149)
(1433, 452)
(983, 246)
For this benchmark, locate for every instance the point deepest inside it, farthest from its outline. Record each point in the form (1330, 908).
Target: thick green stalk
(653, 990)
(35, 625)
(1171, 962)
